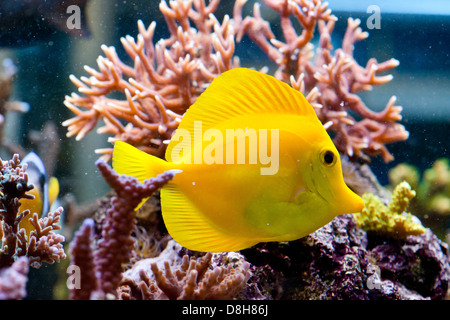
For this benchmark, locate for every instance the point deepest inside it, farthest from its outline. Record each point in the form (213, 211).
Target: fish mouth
(354, 203)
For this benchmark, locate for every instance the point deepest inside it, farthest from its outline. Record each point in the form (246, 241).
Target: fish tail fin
(131, 161)
(134, 162)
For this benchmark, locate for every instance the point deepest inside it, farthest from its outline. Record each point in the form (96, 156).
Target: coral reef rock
(341, 261)
(214, 276)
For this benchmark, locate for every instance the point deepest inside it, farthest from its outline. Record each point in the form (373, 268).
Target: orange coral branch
(329, 79)
(165, 79)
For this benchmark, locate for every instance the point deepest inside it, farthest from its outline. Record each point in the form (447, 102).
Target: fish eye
(328, 158)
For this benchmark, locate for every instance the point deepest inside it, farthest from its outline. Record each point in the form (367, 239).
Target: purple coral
(13, 187)
(83, 258)
(115, 246)
(194, 281)
(43, 245)
(13, 280)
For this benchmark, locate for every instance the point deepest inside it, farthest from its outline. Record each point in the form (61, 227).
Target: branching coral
(13, 187)
(13, 280)
(194, 281)
(43, 245)
(404, 172)
(115, 247)
(165, 79)
(201, 278)
(83, 258)
(433, 188)
(391, 220)
(432, 203)
(330, 80)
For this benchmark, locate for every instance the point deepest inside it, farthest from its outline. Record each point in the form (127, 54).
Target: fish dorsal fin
(191, 229)
(240, 92)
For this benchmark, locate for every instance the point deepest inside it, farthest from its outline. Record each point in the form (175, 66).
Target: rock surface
(341, 261)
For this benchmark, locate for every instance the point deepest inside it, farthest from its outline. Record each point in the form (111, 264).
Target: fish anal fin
(189, 227)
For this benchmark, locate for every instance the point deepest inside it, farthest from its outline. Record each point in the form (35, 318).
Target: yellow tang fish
(254, 165)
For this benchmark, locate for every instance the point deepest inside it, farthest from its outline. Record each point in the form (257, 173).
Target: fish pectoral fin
(305, 197)
(191, 229)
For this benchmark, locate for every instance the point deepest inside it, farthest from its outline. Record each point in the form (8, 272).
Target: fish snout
(351, 202)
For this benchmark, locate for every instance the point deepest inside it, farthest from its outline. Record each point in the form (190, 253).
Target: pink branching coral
(114, 249)
(43, 245)
(13, 280)
(194, 280)
(164, 81)
(168, 76)
(329, 79)
(82, 256)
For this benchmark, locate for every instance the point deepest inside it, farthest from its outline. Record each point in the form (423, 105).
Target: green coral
(404, 172)
(390, 220)
(432, 203)
(434, 191)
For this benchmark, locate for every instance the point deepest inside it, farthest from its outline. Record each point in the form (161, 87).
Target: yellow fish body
(255, 165)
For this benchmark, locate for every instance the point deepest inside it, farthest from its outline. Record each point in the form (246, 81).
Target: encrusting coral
(391, 220)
